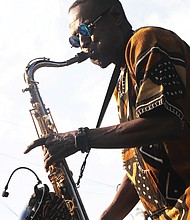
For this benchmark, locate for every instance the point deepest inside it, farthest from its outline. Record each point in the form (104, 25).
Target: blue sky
(31, 29)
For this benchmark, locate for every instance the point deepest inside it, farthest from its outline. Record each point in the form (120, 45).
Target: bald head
(102, 3)
(92, 8)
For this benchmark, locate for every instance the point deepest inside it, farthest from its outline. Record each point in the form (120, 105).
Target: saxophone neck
(37, 63)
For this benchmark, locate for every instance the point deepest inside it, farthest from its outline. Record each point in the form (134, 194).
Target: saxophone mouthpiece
(82, 56)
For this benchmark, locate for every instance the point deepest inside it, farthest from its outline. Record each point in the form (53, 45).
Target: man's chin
(99, 63)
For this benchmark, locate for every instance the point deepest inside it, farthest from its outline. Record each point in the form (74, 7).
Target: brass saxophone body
(59, 174)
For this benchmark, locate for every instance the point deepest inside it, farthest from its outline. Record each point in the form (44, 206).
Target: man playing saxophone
(153, 99)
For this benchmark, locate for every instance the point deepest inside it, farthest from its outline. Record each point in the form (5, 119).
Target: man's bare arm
(138, 132)
(124, 201)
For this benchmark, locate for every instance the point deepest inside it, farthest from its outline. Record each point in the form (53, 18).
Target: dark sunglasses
(84, 30)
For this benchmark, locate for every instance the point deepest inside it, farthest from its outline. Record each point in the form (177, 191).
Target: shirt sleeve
(159, 86)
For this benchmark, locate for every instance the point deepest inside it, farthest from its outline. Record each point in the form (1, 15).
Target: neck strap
(111, 87)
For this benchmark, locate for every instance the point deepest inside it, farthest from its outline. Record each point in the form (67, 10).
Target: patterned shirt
(157, 80)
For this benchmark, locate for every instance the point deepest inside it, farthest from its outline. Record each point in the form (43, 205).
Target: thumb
(36, 143)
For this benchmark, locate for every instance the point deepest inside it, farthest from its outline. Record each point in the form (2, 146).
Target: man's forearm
(136, 133)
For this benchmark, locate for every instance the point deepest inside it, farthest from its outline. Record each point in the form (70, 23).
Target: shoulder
(148, 39)
(149, 29)
(149, 36)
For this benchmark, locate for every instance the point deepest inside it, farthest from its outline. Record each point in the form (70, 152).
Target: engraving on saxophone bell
(57, 178)
(71, 206)
(60, 175)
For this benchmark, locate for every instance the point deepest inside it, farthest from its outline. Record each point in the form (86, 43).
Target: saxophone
(59, 174)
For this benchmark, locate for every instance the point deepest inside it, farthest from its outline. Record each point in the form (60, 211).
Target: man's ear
(116, 14)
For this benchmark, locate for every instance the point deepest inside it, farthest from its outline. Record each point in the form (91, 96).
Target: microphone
(5, 193)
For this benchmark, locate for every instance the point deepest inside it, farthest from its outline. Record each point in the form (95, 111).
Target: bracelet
(81, 140)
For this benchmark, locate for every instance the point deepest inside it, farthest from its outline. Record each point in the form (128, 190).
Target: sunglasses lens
(83, 29)
(74, 41)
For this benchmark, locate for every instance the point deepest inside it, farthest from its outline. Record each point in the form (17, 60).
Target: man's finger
(49, 161)
(36, 143)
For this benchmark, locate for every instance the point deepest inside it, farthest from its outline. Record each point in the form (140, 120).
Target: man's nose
(85, 41)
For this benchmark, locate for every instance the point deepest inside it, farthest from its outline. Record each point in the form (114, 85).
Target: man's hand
(57, 146)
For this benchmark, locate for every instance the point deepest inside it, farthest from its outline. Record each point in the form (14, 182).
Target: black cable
(5, 193)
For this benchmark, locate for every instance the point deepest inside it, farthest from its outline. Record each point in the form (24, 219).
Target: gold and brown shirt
(157, 80)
